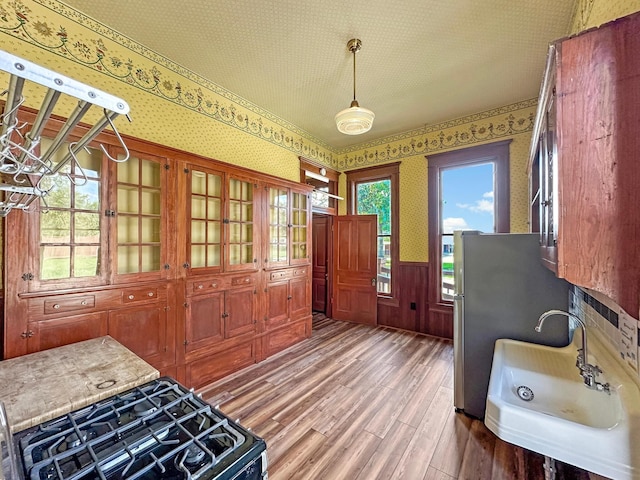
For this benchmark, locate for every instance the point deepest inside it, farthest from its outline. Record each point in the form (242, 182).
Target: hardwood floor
(362, 403)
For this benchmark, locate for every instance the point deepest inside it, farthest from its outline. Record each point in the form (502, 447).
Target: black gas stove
(159, 430)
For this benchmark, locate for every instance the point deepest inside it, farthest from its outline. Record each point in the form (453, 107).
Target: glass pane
(85, 261)
(127, 259)
(374, 198)
(273, 253)
(55, 227)
(282, 252)
(235, 189)
(87, 228)
(198, 231)
(215, 186)
(150, 173)
(213, 232)
(235, 234)
(235, 211)
(273, 216)
(247, 254)
(127, 199)
(198, 207)
(198, 258)
(88, 195)
(127, 229)
(213, 256)
(128, 172)
(213, 212)
(247, 233)
(91, 161)
(150, 230)
(447, 267)
(247, 212)
(282, 234)
(234, 254)
(198, 182)
(151, 202)
(150, 258)
(384, 264)
(55, 262)
(282, 216)
(60, 194)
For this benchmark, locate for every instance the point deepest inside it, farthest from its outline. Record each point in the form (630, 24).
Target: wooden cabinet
(288, 212)
(597, 84)
(168, 252)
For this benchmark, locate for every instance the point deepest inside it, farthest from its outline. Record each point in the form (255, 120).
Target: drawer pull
(56, 306)
(131, 297)
(200, 287)
(150, 294)
(83, 302)
(214, 285)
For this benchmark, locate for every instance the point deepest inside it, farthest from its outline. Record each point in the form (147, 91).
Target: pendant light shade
(355, 119)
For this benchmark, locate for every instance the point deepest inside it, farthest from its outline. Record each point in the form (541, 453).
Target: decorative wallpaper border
(109, 53)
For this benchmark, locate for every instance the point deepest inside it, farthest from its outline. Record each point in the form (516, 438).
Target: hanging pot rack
(23, 171)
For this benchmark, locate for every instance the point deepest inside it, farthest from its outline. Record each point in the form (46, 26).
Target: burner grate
(159, 430)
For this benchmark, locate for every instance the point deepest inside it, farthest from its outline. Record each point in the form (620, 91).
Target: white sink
(565, 420)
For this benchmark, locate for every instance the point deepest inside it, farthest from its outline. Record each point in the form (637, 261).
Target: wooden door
(355, 297)
(298, 297)
(277, 303)
(239, 311)
(204, 321)
(320, 230)
(56, 332)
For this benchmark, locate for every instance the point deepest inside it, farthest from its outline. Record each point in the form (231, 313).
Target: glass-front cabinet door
(206, 201)
(139, 218)
(289, 233)
(299, 229)
(241, 251)
(278, 248)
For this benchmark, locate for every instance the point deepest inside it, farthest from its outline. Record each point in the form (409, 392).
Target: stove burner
(193, 455)
(144, 408)
(72, 440)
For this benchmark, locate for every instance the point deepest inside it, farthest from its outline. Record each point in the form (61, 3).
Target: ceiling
(422, 61)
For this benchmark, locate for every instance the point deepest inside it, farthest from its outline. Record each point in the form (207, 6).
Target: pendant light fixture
(355, 119)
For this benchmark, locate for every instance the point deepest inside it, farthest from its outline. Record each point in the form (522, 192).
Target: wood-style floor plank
(357, 402)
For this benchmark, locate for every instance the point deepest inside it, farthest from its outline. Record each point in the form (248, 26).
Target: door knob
(373, 282)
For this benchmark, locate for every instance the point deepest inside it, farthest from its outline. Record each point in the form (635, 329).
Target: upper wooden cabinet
(221, 221)
(289, 236)
(597, 123)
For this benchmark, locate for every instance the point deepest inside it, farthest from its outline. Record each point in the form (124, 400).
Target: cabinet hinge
(27, 276)
(27, 334)
(109, 213)
(166, 166)
(186, 170)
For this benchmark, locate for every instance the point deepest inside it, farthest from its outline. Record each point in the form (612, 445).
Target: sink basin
(537, 400)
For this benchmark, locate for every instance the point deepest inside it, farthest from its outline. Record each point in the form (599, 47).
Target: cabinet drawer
(135, 295)
(299, 272)
(279, 275)
(205, 286)
(69, 304)
(243, 280)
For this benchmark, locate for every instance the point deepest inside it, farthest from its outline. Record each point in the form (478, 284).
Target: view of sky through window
(467, 198)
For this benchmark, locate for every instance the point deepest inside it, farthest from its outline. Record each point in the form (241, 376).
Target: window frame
(496, 153)
(390, 171)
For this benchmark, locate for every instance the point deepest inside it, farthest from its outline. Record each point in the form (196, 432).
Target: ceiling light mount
(355, 119)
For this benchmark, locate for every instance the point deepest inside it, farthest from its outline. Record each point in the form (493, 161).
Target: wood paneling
(368, 403)
(321, 233)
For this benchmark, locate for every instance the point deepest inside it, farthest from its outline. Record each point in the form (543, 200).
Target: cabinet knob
(56, 306)
(131, 297)
(150, 294)
(289, 297)
(83, 302)
(200, 287)
(214, 285)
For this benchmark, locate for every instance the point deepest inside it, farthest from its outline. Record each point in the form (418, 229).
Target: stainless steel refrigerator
(501, 288)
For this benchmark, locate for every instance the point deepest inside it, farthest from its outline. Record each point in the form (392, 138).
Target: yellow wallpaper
(169, 104)
(512, 121)
(592, 13)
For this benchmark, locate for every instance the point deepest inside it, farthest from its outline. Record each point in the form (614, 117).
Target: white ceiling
(422, 61)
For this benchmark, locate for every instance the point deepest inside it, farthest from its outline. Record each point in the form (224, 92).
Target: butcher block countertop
(44, 385)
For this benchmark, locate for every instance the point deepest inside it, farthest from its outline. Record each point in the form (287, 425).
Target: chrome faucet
(587, 371)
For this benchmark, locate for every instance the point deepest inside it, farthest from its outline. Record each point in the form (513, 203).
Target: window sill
(388, 301)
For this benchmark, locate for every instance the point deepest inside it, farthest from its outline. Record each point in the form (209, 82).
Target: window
(325, 186)
(70, 235)
(468, 190)
(375, 191)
